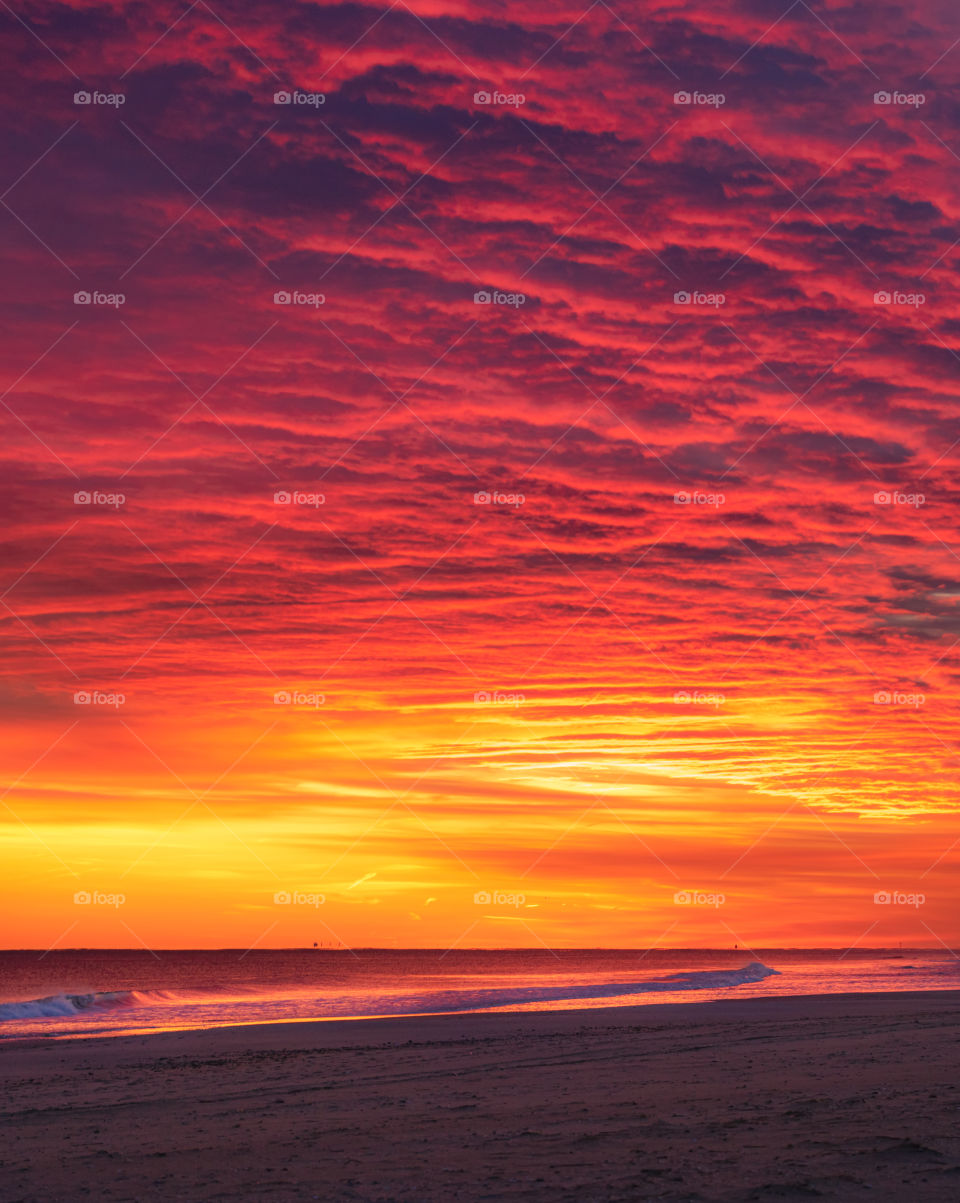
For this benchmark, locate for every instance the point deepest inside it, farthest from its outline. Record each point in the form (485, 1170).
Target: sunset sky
(712, 598)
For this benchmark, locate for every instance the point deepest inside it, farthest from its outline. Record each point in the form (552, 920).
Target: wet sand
(837, 1097)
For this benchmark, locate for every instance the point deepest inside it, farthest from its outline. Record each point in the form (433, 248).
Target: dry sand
(845, 1097)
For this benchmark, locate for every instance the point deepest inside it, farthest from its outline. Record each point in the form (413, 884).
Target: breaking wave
(68, 1005)
(59, 1005)
(301, 1001)
(699, 979)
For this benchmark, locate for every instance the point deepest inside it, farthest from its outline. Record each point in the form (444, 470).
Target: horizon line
(499, 948)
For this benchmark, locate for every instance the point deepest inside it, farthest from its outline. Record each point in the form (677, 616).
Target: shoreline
(269, 1034)
(838, 1096)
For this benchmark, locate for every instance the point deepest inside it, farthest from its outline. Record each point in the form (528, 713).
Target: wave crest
(64, 1004)
(69, 1005)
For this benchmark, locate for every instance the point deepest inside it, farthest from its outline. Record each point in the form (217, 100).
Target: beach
(837, 1097)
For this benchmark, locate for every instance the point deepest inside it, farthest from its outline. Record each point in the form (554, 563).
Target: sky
(478, 476)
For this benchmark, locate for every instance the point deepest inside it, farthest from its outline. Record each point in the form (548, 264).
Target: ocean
(90, 992)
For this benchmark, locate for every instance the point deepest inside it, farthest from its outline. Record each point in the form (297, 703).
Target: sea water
(94, 992)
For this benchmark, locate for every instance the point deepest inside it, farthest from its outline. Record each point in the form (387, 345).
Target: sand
(835, 1097)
